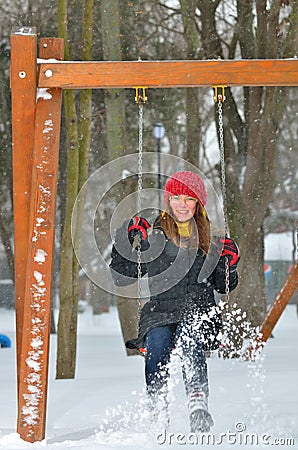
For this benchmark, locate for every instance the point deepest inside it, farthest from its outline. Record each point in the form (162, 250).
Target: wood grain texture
(165, 74)
(23, 98)
(41, 233)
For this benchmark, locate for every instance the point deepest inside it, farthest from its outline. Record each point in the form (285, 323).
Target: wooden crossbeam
(165, 74)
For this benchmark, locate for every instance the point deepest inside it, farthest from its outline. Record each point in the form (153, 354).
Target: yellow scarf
(184, 229)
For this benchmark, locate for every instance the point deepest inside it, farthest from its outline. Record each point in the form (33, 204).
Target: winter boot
(199, 417)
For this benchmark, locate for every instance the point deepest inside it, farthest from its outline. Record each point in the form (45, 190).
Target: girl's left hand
(231, 251)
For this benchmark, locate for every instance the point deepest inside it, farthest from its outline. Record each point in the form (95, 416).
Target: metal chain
(224, 192)
(139, 199)
(222, 165)
(140, 157)
(140, 98)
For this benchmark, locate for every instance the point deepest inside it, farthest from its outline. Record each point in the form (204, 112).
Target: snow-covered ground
(254, 405)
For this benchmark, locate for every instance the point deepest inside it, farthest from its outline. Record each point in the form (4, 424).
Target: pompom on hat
(186, 183)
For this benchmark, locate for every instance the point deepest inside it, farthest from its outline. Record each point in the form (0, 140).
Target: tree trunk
(257, 192)
(78, 142)
(100, 300)
(193, 122)
(193, 127)
(6, 239)
(250, 139)
(66, 345)
(115, 116)
(250, 295)
(95, 300)
(129, 315)
(114, 98)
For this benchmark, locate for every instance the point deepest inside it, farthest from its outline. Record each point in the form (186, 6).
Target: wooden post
(280, 302)
(23, 98)
(276, 310)
(38, 287)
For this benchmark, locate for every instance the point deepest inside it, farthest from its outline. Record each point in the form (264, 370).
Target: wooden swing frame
(36, 90)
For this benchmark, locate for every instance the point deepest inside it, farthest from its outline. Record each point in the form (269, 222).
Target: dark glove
(231, 251)
(137, 232)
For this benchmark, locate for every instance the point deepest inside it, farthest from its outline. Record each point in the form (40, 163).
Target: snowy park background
(104, 407)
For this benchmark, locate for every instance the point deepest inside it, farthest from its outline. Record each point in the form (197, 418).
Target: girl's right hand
(137, 232)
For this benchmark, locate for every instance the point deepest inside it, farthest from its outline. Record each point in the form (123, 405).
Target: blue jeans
(159, 343)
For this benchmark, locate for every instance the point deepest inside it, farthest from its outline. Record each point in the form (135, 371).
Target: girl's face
(183, 207)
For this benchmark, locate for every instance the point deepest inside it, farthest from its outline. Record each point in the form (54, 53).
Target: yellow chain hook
(140, 96)
(219, 93)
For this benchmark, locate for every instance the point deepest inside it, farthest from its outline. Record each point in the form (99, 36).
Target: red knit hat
(186, 183)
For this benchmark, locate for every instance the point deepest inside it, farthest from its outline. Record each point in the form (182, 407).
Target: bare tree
(78, 144)
(116, 136)
(252, 117)
(255, 30)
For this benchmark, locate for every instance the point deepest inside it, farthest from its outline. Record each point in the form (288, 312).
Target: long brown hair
(200, 227)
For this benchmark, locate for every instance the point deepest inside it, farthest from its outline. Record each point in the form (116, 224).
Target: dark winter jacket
(181, 289)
